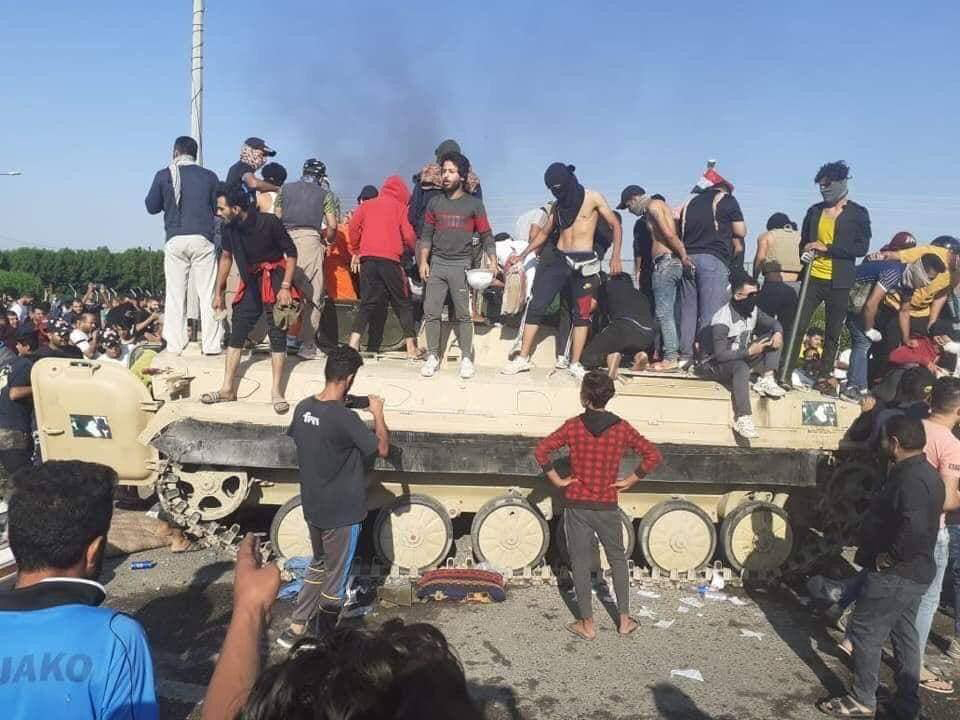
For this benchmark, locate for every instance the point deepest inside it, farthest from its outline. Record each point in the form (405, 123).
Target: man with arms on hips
(577, 268)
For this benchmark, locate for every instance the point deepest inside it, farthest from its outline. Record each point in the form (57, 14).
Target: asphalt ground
(521, 663)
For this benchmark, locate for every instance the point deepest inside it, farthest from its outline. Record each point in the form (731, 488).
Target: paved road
(522, 664)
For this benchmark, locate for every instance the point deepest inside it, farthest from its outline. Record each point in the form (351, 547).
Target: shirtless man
(669, 261)
(571, 266)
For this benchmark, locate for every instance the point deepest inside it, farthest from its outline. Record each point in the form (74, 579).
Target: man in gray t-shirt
(444, 254)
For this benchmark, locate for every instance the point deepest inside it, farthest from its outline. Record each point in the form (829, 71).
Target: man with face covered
(835, 233)
(668, 259)
(445, 253)
(253, 156)
(741, 340)
(571, 266)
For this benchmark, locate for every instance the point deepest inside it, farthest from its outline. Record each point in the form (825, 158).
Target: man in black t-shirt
(630, 331)
(16, 403)
(253, 156)
(333, 446)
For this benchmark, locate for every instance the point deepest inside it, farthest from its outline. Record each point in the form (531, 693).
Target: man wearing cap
(187, 195)
(16, 403)
(779, 244)
(58, 332)
(709, 222)
(310, 216)
(380, 234)
(668, 258)
(253, 156)
(114, 350)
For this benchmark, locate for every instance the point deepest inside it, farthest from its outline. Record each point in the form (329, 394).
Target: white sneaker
(577, 370)
(518, 365)
(431, 366)
(466, 368)
(744, 427)
(307, 353)
(562, 363)
(768, 386)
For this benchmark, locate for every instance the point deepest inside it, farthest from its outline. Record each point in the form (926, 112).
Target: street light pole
(196, 79)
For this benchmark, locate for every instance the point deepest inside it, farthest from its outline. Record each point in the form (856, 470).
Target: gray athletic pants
(736, 374)
(325, 583)
(448, 275)
(580, 526)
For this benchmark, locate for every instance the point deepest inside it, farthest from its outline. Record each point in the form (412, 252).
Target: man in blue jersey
(62, 655)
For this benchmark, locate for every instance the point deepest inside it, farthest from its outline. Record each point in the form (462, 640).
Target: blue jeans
(931, 598)
(667, 278)
(954, 531)
(701, 295)
(859, 353)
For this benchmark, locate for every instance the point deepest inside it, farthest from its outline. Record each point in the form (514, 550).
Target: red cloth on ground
(926, 352)
(379, 227)
(595, 460)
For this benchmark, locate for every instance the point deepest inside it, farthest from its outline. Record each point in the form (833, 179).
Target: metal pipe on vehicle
(791, 343)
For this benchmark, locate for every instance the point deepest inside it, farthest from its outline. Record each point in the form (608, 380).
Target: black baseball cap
(628, 192)
(368, 193)
(258, 144)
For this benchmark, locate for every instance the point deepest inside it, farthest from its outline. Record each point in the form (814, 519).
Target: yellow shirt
(922, 299)
(822, 267)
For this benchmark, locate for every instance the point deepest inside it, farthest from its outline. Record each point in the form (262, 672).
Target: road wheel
(509, 534)
(413, 532)
(756, 537)
(677, 535)
(289, 534)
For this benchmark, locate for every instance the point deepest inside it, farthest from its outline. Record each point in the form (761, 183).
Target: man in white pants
(187, 195)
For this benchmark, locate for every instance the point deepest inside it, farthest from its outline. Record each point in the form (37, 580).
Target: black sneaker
(289, 638)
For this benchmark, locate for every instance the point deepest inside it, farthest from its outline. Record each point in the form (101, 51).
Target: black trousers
(835, 305)
(13, 460)
(622, 336)
(383, 280)
(247, 312)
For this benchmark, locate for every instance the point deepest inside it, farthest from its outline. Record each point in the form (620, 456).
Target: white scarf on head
(174, 168)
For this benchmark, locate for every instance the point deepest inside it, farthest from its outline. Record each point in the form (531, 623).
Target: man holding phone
(741, 340)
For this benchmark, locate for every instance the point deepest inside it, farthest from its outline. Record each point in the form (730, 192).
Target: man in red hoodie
(597, 440)
(378, 233)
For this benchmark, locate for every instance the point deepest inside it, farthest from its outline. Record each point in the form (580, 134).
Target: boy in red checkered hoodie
(597, 440)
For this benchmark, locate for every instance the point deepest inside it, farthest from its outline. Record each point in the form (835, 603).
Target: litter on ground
(690, 674)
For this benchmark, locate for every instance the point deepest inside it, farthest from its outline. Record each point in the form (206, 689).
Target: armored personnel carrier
(464, 449)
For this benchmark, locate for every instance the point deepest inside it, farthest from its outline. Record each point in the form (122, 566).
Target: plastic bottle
(143, 565)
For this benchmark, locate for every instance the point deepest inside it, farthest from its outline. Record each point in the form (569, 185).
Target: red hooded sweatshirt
(379, 227)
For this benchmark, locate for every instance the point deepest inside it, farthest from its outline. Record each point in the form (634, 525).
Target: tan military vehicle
(464, 448)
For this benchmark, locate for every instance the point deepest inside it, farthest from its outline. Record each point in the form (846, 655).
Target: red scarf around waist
(264, 271)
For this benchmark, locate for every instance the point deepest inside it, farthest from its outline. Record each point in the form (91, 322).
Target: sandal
(281, 407)
(938, 685)
(844, 707)
(631, 631)
(573, 629)
(212, 398)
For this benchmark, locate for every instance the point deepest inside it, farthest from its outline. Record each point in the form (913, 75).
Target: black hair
(596, 389)
(833, 172)
(395, 672)
(458, 159)
(45, 306)
(740, 277)
(907, 430)
(915, 385)
(658, 196)
(30, 339)
(502, 237)
(933, 263)
(57, 510)
(342, 362)
(236, 196)
(946, 395)
(815, 330)
(274, 173)
(186, 145)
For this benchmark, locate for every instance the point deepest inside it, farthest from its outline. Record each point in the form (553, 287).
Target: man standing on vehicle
(242, 174)
(187, 195)
(309, 215)
(333, 445)
(266, 258)
(668, 258)
(576, 270)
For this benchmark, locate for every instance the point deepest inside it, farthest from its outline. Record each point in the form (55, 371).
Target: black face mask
(563, 185)
(745, 307)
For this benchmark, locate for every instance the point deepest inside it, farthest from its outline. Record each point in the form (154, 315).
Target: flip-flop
(281, 407)
(843, 648)
(844, 707)
(212, 398)
(945, 686)
(636, 626)
(571, 628)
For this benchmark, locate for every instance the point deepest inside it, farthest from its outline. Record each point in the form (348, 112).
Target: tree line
(65, 271)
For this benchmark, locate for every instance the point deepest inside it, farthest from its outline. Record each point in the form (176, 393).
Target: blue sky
(93, 96)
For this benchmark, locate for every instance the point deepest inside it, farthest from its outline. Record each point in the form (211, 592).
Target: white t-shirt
(79, 338)
(521, 238)
(20, 310)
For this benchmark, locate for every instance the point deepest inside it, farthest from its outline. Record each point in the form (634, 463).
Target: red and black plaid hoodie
(597, 440)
